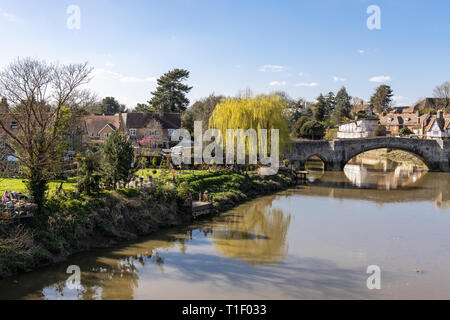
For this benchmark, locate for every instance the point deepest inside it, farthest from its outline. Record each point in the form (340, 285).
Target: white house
(363, 128)
(439, 126)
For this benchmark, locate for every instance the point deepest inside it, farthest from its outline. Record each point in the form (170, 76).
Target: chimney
(440, 114)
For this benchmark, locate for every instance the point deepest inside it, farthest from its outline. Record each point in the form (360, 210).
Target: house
(363, 128)
(362, 108)
(438, 126)
(159, 127)
(97, 128)
(395, 121)
(155, 128)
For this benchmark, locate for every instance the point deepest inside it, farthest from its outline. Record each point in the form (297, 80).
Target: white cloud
(401, 100)
(300, 74)
(380, 79)
(338, 79)
(271, 68)
(109, 64)
(360, 51)
(9, 16)
(111, 75)
(277, 83)
(306, 84)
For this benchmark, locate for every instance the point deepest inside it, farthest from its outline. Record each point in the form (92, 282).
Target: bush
(331, 134)
(154, 162)
(296, 128)
(405, 131)
(312, 130)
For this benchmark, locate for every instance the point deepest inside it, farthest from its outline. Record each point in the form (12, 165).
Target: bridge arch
(418, 155)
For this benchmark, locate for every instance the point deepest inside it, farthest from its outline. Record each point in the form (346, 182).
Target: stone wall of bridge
(335, 154)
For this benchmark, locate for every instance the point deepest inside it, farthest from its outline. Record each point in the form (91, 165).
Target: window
(132, 132)
(106, 134)
(13, 124)
(170, 132)
(91, 134)
(152, 133)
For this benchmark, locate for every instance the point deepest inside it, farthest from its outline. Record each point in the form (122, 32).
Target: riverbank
(70, 225)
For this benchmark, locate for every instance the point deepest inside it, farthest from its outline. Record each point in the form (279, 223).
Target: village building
(362, 108)
(438, 126)
(395, 121)
(363, 128)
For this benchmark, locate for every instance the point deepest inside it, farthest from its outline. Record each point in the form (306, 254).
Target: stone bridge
(335, 154)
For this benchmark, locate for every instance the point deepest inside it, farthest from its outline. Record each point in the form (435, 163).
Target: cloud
(277, 83)
(300, 74)
(111, 75)
(337, 79)
(379, 79)
(271, 68)
(360, 51)
(401, 100)
(109, 64)
(9, 16)
(306, 84)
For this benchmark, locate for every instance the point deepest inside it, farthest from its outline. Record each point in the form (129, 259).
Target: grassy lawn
(17, 185)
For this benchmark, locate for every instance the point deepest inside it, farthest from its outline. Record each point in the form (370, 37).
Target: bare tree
(442, 92)
(36, 120)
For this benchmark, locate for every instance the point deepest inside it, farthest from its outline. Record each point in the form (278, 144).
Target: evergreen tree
(89, 176)
(110, 105)
(170, 95)
(343, 106)
(331, 103)
(382, 98)
(143, 107)
(320, 108)
(118, 159)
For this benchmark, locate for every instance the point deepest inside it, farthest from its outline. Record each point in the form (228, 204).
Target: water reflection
(382, 173)
(314, 241)
(256, 235)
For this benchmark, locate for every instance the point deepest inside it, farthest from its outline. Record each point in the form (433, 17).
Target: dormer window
(14, 124)
(390, 119)
(132, 132)
(407, 119)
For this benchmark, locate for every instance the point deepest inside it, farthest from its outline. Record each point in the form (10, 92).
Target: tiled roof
(94, 124)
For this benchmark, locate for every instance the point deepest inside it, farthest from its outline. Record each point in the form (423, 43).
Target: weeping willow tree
(258, 113)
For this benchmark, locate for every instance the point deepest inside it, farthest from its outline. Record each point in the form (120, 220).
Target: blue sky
(301, 47)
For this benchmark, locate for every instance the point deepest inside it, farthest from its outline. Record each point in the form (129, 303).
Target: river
(312, 242)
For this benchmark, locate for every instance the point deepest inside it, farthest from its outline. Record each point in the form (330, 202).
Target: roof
(434, 103)
(409, 119)
(404, 109)
(443, 123)
(140, 120)
(94, 124)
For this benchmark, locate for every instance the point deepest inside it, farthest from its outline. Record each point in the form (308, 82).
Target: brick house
(136, 126)
(395, 121)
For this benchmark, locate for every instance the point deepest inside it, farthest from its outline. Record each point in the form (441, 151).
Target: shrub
(312, 130)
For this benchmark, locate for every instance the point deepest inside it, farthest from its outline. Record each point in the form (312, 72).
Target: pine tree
(331, 103)
(118, 159)
(170, 95)
(343, 106)
(320, 108)
(382, 98)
